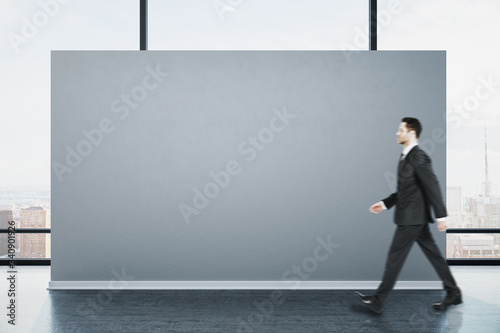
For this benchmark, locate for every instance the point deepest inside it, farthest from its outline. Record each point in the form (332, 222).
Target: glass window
(257, 25)
(473, 246)
(468, 31)
(30, 30)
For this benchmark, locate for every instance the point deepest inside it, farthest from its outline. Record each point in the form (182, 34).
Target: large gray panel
(314, 174)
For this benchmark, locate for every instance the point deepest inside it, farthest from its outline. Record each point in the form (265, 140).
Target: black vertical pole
(373, 25)
(143, 25)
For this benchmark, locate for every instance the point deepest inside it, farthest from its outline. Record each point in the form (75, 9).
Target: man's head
(409, 130)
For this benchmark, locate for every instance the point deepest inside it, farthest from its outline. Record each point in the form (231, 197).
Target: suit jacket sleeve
(391, 200)
(429, 183)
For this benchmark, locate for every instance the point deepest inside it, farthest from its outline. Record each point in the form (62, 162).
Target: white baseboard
(292, 285)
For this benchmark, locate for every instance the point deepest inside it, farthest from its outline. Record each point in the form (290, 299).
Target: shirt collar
(408, 148)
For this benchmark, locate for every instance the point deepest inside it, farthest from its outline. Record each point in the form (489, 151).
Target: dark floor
(241, 311)
(67, 311)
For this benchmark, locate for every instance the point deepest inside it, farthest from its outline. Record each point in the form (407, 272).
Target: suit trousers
(402, 242)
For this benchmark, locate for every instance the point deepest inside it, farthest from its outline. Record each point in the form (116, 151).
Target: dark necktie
(400, 162)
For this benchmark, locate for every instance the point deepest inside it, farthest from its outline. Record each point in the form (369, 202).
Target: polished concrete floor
(40, 310)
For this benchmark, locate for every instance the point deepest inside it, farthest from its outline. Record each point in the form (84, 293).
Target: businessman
(417, 191)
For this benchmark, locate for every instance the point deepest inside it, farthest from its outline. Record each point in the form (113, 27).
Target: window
(467, 30)
(31, 29)
(257, 25)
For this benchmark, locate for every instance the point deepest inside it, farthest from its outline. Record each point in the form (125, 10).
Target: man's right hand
(442, 225)
(376, 208)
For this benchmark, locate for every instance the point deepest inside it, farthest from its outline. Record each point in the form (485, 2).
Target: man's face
(403, 134)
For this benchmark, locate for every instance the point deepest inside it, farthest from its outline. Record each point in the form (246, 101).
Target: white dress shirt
(406, 150)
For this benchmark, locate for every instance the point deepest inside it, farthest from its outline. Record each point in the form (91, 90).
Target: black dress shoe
(450, 299)
(369, 302)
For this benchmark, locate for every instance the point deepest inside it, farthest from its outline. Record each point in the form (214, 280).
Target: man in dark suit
(417, 191)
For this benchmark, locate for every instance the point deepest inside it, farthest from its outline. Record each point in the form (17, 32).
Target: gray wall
(117, 206)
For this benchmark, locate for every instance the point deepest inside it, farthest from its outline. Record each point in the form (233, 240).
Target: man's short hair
(413, 124)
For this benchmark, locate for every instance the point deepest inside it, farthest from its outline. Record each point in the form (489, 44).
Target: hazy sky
(467, 29)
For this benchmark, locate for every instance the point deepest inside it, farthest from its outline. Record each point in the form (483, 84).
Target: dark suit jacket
(417, 190)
